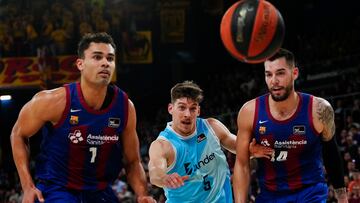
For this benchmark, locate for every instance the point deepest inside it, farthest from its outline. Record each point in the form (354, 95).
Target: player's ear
(80, 64)
(170, 108)
(295, 72)
(198, 113)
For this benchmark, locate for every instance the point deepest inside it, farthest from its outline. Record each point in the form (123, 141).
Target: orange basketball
(252, 30)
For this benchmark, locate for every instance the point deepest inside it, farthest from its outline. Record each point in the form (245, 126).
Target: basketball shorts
(312, 194)
(58, 194)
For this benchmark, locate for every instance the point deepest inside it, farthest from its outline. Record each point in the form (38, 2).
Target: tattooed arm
(325, 116)
(325, 124)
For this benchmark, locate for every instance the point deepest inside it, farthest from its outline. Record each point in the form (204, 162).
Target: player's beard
(279, 98)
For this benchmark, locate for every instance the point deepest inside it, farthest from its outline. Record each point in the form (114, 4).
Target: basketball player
(300, 128)
(187, 160)
(88, 128)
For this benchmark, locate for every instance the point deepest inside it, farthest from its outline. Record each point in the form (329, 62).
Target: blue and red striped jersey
(83, 151)
(297, 161)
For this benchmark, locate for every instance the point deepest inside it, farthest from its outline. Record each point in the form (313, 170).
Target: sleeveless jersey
(83, 151)
(297, 161)
(201, 158)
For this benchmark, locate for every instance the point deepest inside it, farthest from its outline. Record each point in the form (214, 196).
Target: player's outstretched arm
(227, 139)
(33, 115)
(135, 173)
(241, 179)
(159, 151)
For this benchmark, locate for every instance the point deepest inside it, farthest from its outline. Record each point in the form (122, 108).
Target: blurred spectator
(59, 39)
(331, 196)
(355, 183)
(355, 111)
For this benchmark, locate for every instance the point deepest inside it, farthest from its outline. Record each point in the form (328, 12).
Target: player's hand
(32, 193)
(259, 151)
(146, 199)
(174, 180)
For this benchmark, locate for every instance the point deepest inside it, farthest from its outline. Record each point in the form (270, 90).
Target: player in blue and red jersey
(89, 127)
(300, 128)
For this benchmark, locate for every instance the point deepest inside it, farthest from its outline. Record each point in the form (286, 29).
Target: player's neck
(94, 95)
(284, 109)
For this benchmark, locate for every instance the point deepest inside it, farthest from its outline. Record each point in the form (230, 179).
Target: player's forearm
(157, 176)
(137, 178)
(241, 181)
(20, 150)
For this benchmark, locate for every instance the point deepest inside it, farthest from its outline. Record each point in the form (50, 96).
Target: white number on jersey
(93, 151)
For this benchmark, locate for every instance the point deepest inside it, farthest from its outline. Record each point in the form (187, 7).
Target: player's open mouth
(104, 73)
(186, 122)
(277, 89)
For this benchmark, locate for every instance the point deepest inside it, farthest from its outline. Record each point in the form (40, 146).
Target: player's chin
(104, 81)
(186, 130)
(278, 96)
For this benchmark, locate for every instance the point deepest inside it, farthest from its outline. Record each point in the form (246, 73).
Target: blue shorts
(58, 194)
(312, 194)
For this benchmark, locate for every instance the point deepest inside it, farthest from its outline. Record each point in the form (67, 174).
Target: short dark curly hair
(289, 57)
(100, 37)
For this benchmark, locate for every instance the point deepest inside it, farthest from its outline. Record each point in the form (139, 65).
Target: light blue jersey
(201, 158)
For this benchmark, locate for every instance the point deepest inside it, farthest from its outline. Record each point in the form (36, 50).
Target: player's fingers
(171, 182)
(175, 180)
(39, 196)
(184, 178)
(178, 180)
(253, 142)
(268, 151)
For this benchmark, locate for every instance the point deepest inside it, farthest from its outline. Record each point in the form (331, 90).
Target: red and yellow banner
(31, 71)
(34, 71)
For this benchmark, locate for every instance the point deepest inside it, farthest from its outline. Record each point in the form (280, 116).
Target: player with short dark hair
(89, 134)
(300, 128)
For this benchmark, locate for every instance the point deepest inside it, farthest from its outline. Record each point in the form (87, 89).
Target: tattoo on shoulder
(326, 115)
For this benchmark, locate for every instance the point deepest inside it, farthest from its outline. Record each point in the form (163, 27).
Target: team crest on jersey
(74, 120)
(262, 130)
(201, 137)
(114, 122)
(299, 130)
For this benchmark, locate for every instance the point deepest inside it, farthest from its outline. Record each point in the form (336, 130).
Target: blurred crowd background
(183, 43)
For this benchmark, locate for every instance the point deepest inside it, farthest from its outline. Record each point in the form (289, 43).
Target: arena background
(161, 42)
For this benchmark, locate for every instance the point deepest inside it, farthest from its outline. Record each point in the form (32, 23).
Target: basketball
(252, 30)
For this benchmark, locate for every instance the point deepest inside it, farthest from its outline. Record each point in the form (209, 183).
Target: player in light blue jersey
(187, 160)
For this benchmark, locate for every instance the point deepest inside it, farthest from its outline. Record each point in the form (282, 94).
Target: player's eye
(97, 57)
(110, 58)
